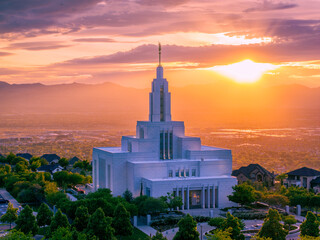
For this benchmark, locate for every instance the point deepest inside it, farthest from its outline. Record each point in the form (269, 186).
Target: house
(73, 160)
(26, 156)
(51, 158)
(302, 177)
(254, 173)
(51, 168)
(161, 159)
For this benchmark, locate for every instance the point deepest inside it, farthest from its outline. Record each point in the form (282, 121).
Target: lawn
(137, 234)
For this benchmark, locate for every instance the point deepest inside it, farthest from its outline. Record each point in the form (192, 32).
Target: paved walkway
(6, 195)
(147, 230)
(203, 212)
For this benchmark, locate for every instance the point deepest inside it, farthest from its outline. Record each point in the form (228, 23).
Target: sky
(66, 41)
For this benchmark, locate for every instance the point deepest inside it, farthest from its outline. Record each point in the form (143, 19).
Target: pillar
(208, 196)
(135, 221)
(182, 196)
(188, 198)
(148, 219)
(203, 197)
(213, 197)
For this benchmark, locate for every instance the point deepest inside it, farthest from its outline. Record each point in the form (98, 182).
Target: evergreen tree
(187, 229)
(44, 215)
(17, 235)
(11, 215)
(59, 220)
(220, 235)
(121, 221)
(127, 195)
(26, 221)
(82, 218)
(236, 226)
(272, 228)
(243, 194)
(159, 236)
(100, 226)
(310, 226)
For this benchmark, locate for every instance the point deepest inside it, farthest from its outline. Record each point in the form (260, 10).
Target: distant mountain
(196, 103)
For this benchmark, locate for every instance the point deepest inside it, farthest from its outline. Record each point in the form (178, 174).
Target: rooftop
(304, 171)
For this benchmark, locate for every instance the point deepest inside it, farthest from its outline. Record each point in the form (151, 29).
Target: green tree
(82, 218)
(44, 215)
(216, 222)
(289, 220)
(11, 214)
(310, 226)
(35, 165)
(276, 200)
(153, 205)
(272, 228)
(26, 221)
(21, 167)
(63, 162)
(100, 226)
(187, 229)
(121, 221)
(127, 195)
(281, 177)
(242, 194)
(17, 235)
(236, 226)
(59, 220)
(220, 235)
(158, 236)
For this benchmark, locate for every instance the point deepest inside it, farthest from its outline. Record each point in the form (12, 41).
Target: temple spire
(159, 54)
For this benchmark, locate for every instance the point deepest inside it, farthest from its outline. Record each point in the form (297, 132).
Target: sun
(246, 71)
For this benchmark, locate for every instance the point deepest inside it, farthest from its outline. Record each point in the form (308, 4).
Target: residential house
(26, 156)
(302, 177)
(254, 173)
(315, 184)
(51, 168)
(51, 158)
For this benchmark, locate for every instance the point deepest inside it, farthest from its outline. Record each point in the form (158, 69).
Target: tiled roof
(248, 169)
(304, 171)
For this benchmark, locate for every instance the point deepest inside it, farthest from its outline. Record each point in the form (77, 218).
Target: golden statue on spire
(159, 54)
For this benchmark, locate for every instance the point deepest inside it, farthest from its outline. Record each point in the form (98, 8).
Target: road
(6, 195)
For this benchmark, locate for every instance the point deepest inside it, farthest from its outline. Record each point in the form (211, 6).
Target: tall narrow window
(161, 145)
(161, 104)
(141, 133)
(171, 145)
(166, 145)
(193, 172)
(129, 147)
(170, 173)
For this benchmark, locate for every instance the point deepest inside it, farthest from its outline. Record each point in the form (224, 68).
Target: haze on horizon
(57, 42)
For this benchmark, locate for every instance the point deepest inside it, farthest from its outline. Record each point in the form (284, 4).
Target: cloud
(94, 40)
(166, 3)
(37, 46)
(2, 54)
(268, 5)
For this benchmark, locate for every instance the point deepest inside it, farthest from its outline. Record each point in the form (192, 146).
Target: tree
(310, 226)
(100, 226)
(242, 194)
(220, 235)
(82, 218)
(236, 226)
(159, 236)
(187, 229)
(272, 227)
(121, 221)
(127, 195)
(26, 221)
(44, 215)
(59, 220)
(173, 201)
(17, 235)
(11, 214)
(34, 165)
(289, 220)
(63, 162)
(281, 177)
(276, 200)
(153, 205)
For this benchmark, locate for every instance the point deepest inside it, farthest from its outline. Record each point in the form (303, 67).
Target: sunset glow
(245, 71)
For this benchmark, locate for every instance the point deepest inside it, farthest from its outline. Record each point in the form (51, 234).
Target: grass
(137, 234)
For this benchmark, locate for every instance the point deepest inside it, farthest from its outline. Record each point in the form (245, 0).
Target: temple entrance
(195, 199)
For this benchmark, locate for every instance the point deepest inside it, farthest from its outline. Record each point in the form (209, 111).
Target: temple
(161, 159)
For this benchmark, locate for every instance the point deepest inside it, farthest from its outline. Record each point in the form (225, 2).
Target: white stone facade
(161, 159)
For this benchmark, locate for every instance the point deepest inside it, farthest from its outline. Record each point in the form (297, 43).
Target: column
(208, 191)
(188, 198)
(213, 196)
(97, 173)
(177, 195)
(182, 196)
(203, 197)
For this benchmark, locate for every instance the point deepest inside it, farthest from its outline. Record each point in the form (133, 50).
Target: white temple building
(161, 159)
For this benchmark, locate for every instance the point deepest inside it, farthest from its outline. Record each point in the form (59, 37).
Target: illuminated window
(182, 173)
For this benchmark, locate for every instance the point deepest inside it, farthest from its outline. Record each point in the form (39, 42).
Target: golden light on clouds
(245, 71)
